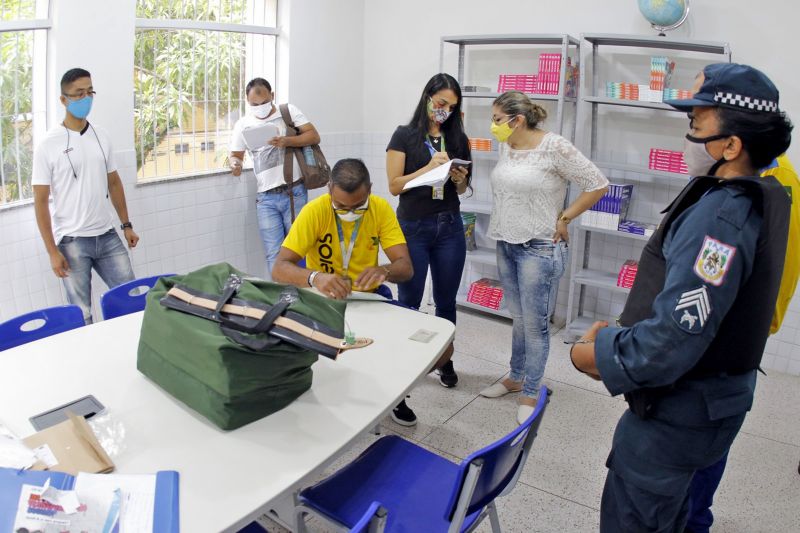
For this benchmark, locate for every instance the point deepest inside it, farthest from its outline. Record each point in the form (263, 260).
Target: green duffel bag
(234, 348)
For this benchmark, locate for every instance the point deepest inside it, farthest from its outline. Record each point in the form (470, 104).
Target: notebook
(257, 137)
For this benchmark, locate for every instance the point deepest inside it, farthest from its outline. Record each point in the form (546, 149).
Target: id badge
(437, 193)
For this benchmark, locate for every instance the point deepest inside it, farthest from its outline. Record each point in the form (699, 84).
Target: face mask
(351, 216)
(260, 111)
(503, 131)
(698, 160)
(439, 114)
(80, 108)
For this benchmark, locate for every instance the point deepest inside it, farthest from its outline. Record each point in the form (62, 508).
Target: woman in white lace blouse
(529, 185)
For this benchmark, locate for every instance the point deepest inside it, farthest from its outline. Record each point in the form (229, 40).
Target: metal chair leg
(493, 518)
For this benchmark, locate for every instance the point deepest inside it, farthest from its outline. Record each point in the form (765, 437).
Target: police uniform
(697, 320)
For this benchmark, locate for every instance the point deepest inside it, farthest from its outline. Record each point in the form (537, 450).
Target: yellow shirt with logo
(784, 172)
(314, 236)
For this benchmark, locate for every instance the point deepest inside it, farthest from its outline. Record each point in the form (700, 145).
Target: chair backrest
(492, 471)
(385, 291)
(127, 298)
(39, 324)
(373, 521)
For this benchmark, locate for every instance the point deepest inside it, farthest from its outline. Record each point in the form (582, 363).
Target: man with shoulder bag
(275, 136)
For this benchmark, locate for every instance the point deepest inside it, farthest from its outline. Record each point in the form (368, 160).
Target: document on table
(366, 297)
(138, 494)
(257, 137)
(435, 177)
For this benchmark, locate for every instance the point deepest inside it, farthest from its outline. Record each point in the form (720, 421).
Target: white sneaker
(497, 390)
(524, 412)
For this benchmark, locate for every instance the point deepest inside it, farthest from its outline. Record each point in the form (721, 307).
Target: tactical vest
(739, 343)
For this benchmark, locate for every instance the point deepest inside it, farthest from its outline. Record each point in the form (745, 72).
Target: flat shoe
(524, 412)
(497, 390)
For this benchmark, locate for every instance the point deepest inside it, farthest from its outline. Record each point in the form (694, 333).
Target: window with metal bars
(192, 61)
(23, 33)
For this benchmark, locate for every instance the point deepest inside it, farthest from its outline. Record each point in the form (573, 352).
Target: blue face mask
(80, 108)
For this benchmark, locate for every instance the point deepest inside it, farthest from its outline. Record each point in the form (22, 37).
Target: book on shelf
(627, 274)
(486, 292)
(667, 161)
(611, 209)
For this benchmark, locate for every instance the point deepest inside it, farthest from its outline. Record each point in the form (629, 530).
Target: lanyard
(349, 253)
(429, 144)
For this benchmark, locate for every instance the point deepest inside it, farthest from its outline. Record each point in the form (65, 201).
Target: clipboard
(257, 137)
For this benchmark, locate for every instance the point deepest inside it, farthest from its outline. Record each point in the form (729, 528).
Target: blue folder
(166, 515)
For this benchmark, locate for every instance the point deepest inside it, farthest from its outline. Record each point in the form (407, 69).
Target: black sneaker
(403, 415)
(447, 375)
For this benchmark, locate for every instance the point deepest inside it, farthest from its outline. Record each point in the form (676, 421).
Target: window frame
(148, 24)
(39, 85)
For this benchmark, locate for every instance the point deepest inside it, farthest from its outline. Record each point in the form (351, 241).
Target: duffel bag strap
(282, 321)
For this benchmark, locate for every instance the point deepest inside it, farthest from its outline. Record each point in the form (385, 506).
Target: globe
(664, 14)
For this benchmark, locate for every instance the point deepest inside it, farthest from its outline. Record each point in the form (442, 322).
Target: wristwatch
(564, 218)
(126, 225)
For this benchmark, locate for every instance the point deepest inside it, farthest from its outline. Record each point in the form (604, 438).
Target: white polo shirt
(76, 169)
(267, 160)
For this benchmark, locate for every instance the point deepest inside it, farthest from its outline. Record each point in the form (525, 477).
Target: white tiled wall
(187, 224)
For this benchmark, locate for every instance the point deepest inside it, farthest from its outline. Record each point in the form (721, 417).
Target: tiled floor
(559, 491)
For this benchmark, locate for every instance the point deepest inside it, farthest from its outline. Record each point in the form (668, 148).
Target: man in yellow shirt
(339, 235)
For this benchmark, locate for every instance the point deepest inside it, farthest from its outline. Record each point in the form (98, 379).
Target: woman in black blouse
(430, 216)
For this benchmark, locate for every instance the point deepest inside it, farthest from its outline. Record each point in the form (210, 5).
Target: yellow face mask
(503, 131)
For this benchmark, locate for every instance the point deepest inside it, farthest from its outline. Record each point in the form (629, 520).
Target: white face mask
(355, 214)
(260, 111)
(696, 156)
(350, 216)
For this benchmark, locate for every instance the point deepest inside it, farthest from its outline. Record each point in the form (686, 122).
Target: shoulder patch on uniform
(713, 261)
(692, 310)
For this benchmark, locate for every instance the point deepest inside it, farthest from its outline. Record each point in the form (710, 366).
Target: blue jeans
(436, 241)
(275, 218)
(701, 496)
(106, 254)
(530, 272)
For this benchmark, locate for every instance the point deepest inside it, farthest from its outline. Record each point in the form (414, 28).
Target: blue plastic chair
(373, 521)
(421, 490)
(54, 320)
(384, 291)
(120, 300)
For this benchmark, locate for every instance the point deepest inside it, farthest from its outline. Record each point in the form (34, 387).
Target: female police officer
(698, 316)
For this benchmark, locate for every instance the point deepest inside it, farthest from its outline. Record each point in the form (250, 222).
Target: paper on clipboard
(435, 177)
(257, 137)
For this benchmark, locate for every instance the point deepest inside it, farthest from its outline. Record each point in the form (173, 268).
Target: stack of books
(526, 83)
(661, 69)
(677, 94)
(481, 145)
(627, 274)
(486, 292)
(622, 91)
(667, 161)
(549, 73)
(637, 228)
(611, 209)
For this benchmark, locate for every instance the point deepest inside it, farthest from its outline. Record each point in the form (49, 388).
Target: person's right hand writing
(59, 264)
(439, 158)
(332, 286)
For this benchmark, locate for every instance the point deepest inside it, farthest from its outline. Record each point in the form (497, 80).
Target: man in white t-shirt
(75, 164)
(262, 133)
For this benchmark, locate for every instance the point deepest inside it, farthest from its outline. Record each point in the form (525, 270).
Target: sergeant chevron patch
(692, 310)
